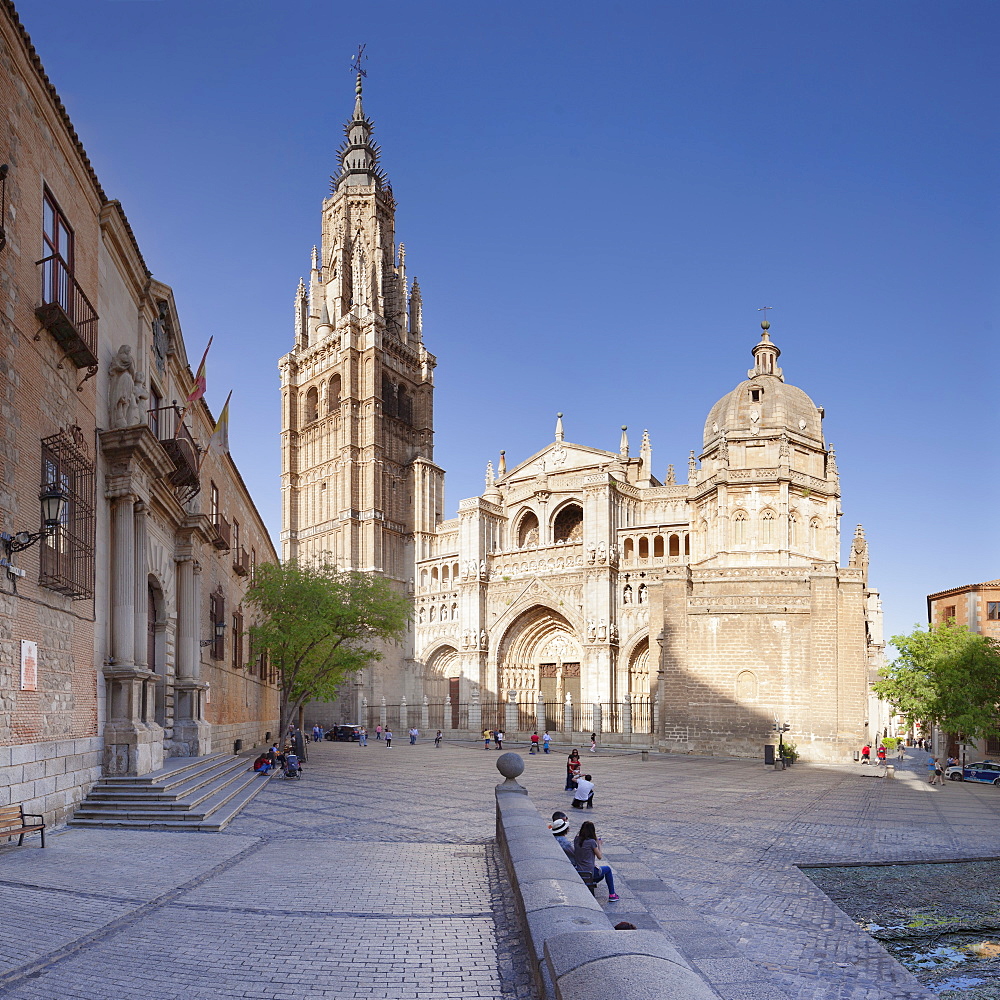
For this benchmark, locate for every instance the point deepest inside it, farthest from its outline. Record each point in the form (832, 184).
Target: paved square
(376, 876)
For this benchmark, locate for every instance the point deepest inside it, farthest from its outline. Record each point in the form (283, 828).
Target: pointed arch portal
(540, 652)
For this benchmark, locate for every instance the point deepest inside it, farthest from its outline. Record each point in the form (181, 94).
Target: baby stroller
(292, 768)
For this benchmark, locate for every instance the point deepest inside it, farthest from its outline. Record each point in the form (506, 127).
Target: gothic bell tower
(359, 485)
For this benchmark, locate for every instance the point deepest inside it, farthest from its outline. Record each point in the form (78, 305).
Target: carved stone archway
(540, 652)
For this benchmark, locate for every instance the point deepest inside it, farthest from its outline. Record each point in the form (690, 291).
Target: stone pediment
(560, 457)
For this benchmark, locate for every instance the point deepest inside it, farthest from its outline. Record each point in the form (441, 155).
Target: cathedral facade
(578, 592)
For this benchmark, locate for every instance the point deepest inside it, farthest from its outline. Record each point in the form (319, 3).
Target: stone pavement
(375, 876)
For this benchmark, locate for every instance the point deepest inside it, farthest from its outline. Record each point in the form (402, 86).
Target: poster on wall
(29, 665)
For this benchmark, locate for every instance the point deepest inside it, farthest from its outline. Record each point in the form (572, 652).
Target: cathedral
(578, 593)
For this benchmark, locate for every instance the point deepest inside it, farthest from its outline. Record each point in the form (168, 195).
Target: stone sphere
(510, 765)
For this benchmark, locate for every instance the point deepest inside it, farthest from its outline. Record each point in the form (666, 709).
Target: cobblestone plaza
(376, 876)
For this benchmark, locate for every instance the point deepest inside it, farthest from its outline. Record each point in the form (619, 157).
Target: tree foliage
(947, 676)
(319, 625)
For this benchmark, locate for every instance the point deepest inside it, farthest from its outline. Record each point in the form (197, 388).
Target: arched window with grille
(568, 524)
(767, 528)
(740, 528)
(527, 530)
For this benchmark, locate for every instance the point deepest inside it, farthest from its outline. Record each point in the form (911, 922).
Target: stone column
(382, 713)
(568, 715)
(123, 582)
(187, 620)
(425, 720)
(403, 721)
(597, 719)
(475, 714)
(627, 718)
(192, 735)
(510, 713)
(540, 713)
(447, 713)
(140, 601)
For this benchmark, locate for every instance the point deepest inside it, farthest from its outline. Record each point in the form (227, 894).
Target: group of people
(496, 735)
(580, 784)
(584, 851)
(285, 760)
(881, 754)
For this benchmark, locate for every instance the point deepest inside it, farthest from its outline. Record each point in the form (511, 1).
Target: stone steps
(203, 794)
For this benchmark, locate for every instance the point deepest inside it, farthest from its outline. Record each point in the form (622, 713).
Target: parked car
(343, 734)
(985, 770)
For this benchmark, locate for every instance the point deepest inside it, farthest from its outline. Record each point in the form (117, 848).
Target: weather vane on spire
(356, 61)
(764, 310)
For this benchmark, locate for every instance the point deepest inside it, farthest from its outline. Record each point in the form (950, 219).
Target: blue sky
(596, 199)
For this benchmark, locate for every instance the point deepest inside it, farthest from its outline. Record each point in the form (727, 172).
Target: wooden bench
(13, 823)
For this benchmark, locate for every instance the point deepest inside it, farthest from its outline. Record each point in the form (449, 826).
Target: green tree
(947, 676)
(319, 626)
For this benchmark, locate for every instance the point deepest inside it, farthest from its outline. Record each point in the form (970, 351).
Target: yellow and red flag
(199, 379)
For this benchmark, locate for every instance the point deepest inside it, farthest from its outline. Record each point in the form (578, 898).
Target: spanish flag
(199, 380)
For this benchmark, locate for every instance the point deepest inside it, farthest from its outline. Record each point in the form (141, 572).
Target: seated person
(263, 764)
(559, 828)
(587, 851)
(584, 794)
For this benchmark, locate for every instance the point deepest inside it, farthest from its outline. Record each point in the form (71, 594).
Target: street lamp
(220, 631)
(53, 501)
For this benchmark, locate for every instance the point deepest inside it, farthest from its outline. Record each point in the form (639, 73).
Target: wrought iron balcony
(167, 423)
(241, 563)
(223, 532)
(67, 313)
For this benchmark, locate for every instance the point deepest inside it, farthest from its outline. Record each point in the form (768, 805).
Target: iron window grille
(66, 563)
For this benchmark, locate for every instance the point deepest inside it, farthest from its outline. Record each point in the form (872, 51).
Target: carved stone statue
(122, 398)
(591, 629)
(140, 393)
(602, 631)
(483, 639)
(602, 552)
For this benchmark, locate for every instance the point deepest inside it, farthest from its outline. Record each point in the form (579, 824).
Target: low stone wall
(576, 954)
(51, 778)
(252, 734)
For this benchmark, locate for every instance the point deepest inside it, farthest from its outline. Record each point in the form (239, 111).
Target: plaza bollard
(890, 771)
(779, 764)
(645, 755)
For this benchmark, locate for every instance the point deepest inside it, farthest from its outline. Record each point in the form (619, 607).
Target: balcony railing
(167, 423)
(223, 532)
(241, 563)
(67, 313)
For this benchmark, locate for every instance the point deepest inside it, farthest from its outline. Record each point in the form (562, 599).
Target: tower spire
(358, 155)
(559, 428)
(766, 354)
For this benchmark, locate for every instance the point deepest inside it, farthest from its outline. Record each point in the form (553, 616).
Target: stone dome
(765, 404)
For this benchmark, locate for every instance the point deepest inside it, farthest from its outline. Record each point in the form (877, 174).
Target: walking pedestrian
(900, 748)
(534, 742)
(388, 737)
(546, 740)
(414, 733)
(498, 739)
(317, 733)
(931, 765)
(866, 754)
(593, 742)
(362, 737)
(437, 740)
(881, 754)
(378, 732)
(938, 778)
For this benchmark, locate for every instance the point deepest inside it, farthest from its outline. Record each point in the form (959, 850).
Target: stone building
(103, 617)
(578, 591)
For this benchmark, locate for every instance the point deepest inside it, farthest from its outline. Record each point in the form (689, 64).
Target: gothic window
(814, 534)
(675, 545)
(568, 526)
(628, 549)
(454, 572)
(67, 555)
(687, 545)
(312, 406)
(658, 547)
(388, 397)
(404, 406)
(627, 594)
(333, 395)
(740, 528)
(644, 547)
(434, 577)
(527, 531)
(793, 529)
(767, 528)
(638, 671)
(423, 579)
(643, 594)
(445, 572)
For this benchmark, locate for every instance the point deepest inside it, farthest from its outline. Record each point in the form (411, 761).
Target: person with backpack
(534, 743)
